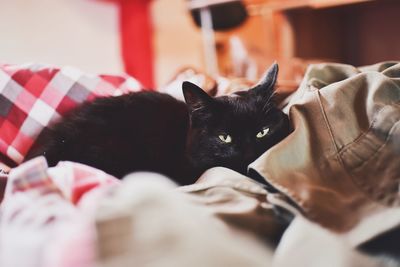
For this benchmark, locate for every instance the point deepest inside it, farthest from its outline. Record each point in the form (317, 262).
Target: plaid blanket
(34, 96)
(51, 212)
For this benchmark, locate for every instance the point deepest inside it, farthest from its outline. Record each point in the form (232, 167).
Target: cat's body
(150, 131)
(119, 135)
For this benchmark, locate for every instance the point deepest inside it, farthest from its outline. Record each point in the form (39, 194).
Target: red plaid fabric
(32, 176)
(34, 96)
(48, 214)
(71, 180)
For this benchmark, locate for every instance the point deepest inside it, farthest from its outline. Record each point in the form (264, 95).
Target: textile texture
(341, 164)
(33, 96)
(45, 217)
(75, 215)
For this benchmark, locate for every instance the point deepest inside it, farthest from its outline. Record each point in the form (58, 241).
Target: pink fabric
(42, 208)
(34, 96)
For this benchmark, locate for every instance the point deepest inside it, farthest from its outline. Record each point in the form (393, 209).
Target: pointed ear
(267, 83)
(195, 97)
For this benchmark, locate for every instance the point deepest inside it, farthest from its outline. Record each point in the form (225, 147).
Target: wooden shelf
(357, 32)
(282, 5)
(299, 32)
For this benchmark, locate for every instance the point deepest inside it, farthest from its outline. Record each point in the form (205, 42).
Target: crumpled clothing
(75, 215)
(147, 222)
(33, 96)
(340, 166)
(45, 217)
(240, 202)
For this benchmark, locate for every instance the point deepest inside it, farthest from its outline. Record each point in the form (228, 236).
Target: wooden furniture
(297, 32)
(357, 32)
(293, 32)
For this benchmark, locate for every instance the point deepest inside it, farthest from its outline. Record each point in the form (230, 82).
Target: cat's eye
(226, 138)
(263, 133)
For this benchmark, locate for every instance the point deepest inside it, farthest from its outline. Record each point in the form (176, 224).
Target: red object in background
(136, 40)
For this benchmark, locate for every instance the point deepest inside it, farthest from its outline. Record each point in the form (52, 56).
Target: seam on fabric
(363, 187)
(338, 157)
(388, 137)
(363, 134)
(352, 176)
(187, 189)
(301, 205)
(327, 124)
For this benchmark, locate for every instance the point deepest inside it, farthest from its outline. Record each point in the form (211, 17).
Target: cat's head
(232, 131)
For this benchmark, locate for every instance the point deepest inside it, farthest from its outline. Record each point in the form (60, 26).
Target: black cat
(150, 131)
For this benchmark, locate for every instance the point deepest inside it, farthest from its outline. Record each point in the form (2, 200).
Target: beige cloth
(146, 222)
(307, 244)
(341, 164)
(237, 200)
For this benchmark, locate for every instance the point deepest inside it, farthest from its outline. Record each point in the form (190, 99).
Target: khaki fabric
(145, 221)
(307, 244)
(239, 201)
(341, 164)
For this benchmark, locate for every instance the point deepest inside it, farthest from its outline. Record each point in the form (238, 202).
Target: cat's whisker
(197, 109)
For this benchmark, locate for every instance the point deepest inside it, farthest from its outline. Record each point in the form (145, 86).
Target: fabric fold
(341, 163)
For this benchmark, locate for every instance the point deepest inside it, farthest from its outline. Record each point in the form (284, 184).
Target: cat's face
(232, 131)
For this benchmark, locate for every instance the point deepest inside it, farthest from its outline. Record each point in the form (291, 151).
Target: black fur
(152, 131)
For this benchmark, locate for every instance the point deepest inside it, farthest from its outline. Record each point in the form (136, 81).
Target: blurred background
(153, 39)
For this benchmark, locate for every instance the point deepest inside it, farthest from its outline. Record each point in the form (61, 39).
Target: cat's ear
(195, 97)
(267, 83)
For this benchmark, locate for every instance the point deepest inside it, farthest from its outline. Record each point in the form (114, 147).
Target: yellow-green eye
(263, 133)
(226, 138)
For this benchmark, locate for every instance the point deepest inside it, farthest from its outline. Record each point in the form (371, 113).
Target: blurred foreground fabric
(75, 215)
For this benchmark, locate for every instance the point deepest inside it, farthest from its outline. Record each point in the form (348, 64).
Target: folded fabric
(308, 244)
(33, 96)
(146, 222)
(240, 202)
(45, 218)
(75, 215)
(340, 166)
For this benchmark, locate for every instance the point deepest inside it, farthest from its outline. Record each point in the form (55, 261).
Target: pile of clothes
(327, 195)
